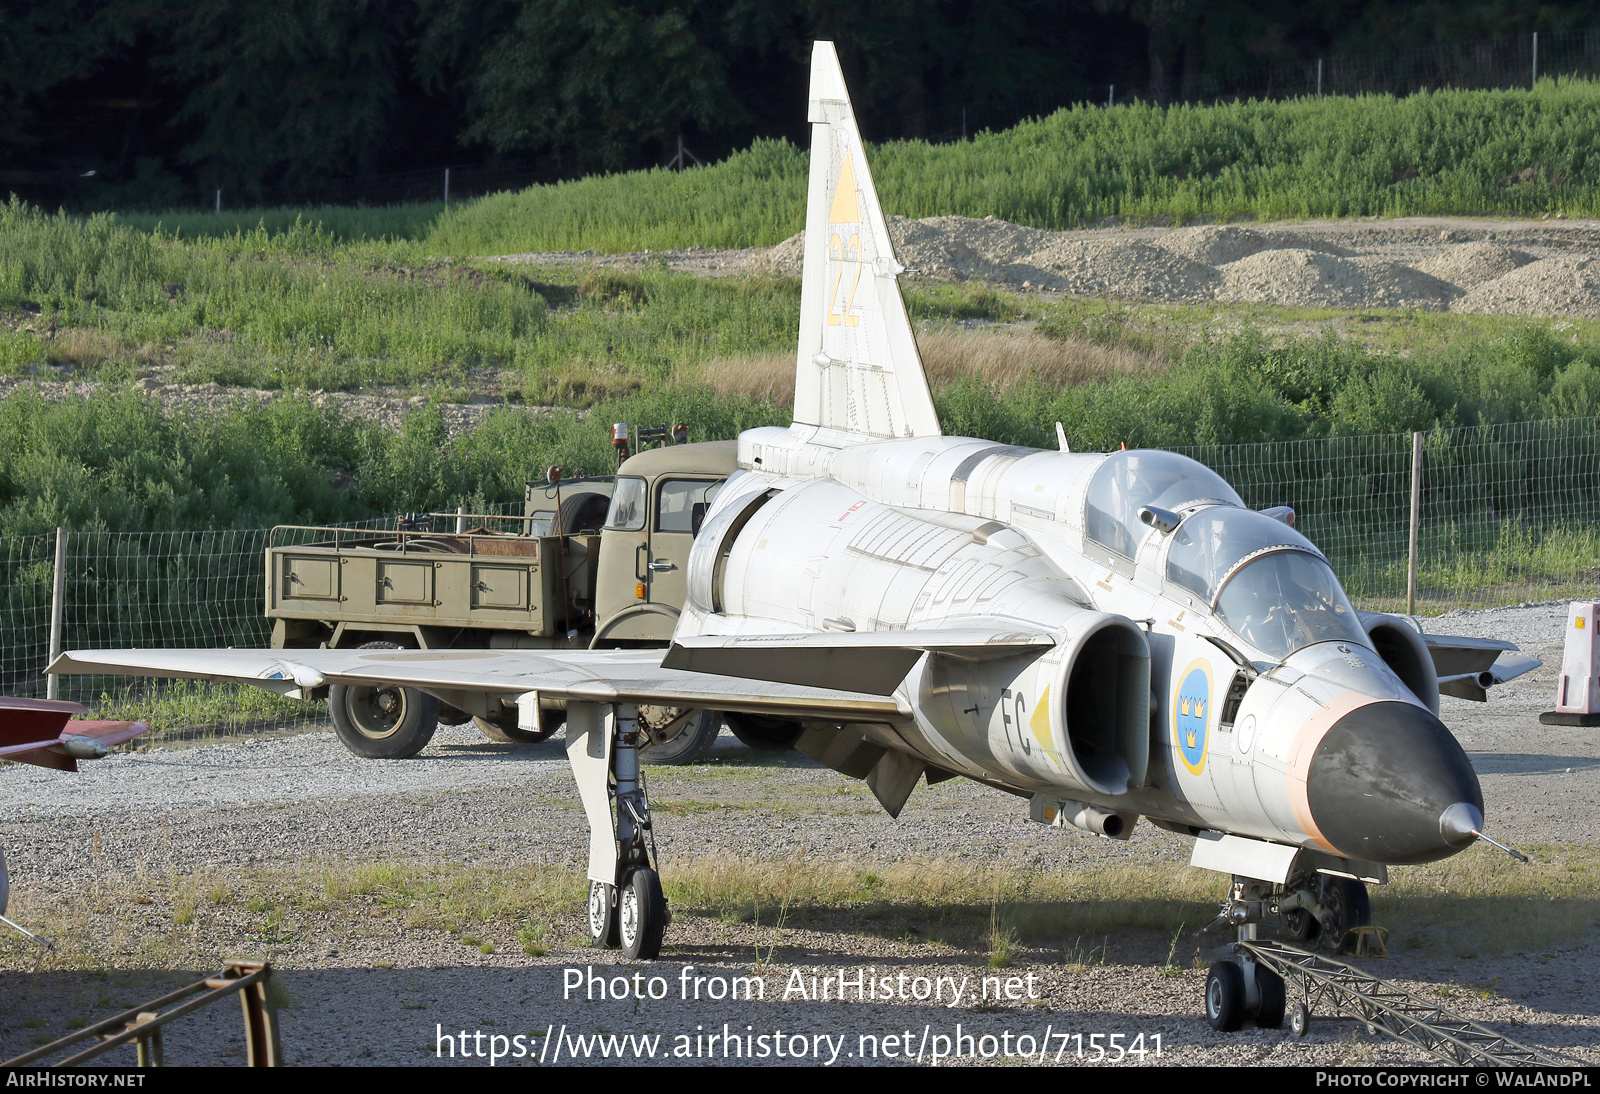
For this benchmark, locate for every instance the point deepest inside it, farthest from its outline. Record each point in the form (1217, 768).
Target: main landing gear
(1313, 906)
(627, 908)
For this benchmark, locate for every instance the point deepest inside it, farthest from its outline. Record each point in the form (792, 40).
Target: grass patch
(1475, 904)
(180, 710)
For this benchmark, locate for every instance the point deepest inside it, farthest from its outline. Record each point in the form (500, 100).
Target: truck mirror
(697, 516)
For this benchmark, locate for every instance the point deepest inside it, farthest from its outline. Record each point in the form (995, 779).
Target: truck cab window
(627, 506)
(676, 500)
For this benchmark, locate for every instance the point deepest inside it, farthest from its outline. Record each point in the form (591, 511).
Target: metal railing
(142, 1025)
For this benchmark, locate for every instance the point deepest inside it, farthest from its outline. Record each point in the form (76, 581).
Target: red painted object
(40, 731)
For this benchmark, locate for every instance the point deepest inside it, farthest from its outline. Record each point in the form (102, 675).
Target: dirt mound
(1565, 285)
(1472, 264)
(1329, 266)
(942, 247)
(962, 246)
(1115, 267)
(1313, 279)
(1214, 245)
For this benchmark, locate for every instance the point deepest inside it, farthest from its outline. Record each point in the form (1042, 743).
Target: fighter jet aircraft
(1108, 636)
(37, 731)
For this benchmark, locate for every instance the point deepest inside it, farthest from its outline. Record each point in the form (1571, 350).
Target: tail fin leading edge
(858, 371)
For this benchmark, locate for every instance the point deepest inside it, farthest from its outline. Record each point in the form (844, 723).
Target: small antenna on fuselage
(1061, 438)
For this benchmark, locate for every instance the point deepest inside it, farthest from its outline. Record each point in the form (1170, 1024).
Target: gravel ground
(369, 989)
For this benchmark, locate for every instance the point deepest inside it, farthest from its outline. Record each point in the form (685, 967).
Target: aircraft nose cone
(1389, 784)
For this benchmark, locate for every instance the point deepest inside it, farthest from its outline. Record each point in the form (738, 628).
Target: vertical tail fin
(857, 370)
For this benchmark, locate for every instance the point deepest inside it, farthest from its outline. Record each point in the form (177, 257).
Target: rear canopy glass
(1127, 481)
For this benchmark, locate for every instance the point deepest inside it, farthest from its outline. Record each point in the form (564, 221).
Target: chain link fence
(1507, 514)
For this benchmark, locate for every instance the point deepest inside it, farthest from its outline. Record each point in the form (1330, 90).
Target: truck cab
(589, 563)
(657, 503)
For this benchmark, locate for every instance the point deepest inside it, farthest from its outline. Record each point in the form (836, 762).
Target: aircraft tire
(504, 730)
(1300, 1020)
(602, 916)
(1269, 1014)
(1345, 905)
(391, 723)
(641, 914)
(1225, 996)
(1301, 925)
(762, 733)
(691, 743)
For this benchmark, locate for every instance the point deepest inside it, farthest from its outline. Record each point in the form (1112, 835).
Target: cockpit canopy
(1265, 581)
(1128, 481)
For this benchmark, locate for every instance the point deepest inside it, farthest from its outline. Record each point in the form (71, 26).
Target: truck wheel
(504, 730)
(389, 723)
(584, 512)
(762, 733)
(692, 742)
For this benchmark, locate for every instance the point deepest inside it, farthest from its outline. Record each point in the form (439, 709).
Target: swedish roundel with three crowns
(1191, 714)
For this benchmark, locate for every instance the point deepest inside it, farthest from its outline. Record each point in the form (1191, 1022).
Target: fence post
(1535, 60)
(1319, 77)
(219, 199)
(447, 187)
(1416, 507)
(1111, 95)
(58, 608)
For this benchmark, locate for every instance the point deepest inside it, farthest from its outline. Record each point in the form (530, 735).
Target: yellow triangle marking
(846, 209)
(1040, 722)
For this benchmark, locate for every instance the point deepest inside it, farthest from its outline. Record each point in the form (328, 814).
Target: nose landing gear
(1239, 988)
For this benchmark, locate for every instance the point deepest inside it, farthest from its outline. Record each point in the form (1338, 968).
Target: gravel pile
(1116, 268)
(366, 987)
(1423, 263)
(1472, 264)
(1313, 279)
(1568, 285)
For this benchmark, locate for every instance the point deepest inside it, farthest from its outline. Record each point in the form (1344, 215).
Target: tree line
(140, 104)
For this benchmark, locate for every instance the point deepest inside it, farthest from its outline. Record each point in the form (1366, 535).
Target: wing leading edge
(603, 676)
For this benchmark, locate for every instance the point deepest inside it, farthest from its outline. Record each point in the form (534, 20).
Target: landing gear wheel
(1269, 1014)
(503, 730)
(389, 723)
(692, 741)
(1301, 925)
(602, 916)
(1300, 1020)
(1344, 905)
(764, 734)
(641, 914)
(1225, 996)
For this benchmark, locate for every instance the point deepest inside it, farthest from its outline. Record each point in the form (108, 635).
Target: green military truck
(590, 564)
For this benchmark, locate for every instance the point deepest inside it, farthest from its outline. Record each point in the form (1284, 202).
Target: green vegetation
(1515, 153)
(1477, 903)
(342, 223)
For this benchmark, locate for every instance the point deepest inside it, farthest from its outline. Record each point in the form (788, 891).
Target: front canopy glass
(1263, 579)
